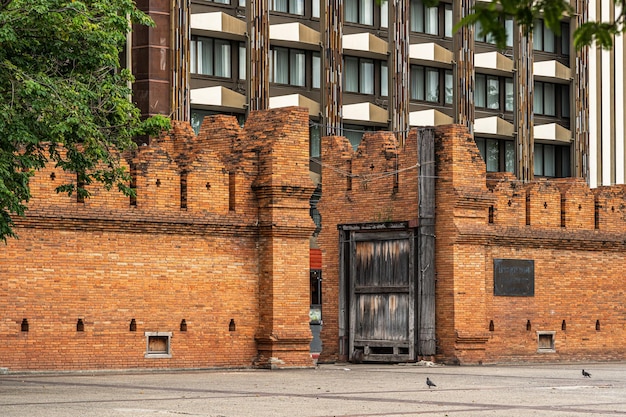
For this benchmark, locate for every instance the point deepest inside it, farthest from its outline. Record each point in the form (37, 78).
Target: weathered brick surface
(573, 234)
(234, 253)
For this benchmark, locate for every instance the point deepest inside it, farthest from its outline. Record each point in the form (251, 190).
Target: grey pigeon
(586, 374)
(430, 383)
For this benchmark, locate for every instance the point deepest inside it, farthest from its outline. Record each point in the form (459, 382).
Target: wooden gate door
(381, 296)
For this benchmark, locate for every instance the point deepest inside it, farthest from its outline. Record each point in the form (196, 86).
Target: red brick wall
(574, 236)
(107, 262)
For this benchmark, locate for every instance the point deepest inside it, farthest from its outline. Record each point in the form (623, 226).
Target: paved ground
(330, 390)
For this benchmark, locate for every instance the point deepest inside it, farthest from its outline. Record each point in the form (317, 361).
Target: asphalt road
(330, 390)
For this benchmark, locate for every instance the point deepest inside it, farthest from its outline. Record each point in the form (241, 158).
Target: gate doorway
(378, 303)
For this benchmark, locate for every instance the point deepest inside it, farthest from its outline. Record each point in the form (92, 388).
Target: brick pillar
(283, 189)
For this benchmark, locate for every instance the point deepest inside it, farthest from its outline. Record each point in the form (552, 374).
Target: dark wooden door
(382, 302)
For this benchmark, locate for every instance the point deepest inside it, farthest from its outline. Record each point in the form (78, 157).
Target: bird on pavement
(586, 374)
(430, 383)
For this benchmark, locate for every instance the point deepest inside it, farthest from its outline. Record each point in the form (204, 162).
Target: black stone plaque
(514, 277)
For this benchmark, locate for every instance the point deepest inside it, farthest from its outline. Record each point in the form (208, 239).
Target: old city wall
(573, 235)
(212, 253)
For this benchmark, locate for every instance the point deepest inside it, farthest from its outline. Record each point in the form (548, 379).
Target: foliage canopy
(61, 87)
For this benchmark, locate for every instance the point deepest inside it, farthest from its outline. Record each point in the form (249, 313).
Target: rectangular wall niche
(545, 342)
(158, 344)
(514, 277)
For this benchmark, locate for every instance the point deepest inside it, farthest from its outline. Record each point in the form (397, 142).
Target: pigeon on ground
(586, 374)
(430, 383)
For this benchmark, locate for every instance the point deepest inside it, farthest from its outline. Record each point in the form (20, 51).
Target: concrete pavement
(365, 390)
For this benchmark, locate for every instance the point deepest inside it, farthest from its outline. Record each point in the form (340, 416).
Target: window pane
(280, 6)
(480, 98)
(384, 79)
(493, 93)
(548, 40)
(351, 10)
(565, 103)
(480, 143)
(538, 100)
(242, 61)
(351, 74)
(549, 99)
(205, 57)
(354, 134)
(538, 159)
(367, 12)
(509, 95)
(549, 161)
(296, 7)
(538, 36)
(564, 38)
(315, 140)
(432, 85)
(222, 58)
(431, 24)
(565, 161)
(367, 77)
(493, 155)
(449, 87)
(281, 66)
(193, 51)
(296, 68)
(448, 21)
(416, 10)
(477, 32)
(315, 8)
(417, 83)
(508, 25)
(384, 14)
(317, 71)
(509, 156)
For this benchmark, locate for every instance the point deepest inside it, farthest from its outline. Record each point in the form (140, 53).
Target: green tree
(526, 12)
(61, 87)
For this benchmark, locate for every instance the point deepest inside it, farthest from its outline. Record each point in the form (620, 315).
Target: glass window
(480, 91)
(242, 61)
(287, 66)
(288, 6)
(359, 11)
(543, 38)
(210, 57)
(424, 83)
(552, 160)
(423, 19)
(448, 21)
(545, 99)
(197, 116)
(498, 154)
(449, 87)
(359, 75)
(565, 39)
(489, 38)
(509, 92)
(384, 79)
(384, 14)
(315, 140)
(316, 69)
(509, 25)
(315, 8)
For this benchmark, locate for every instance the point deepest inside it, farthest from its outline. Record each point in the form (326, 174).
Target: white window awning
(217, 96)
(552, 131)
(430, 52)
(493, 125)
(551, 71)
(295, 32)
(365, 112)
(296, 100)
(218, 22)
(365, 42)
(430, 117)
(494, 61)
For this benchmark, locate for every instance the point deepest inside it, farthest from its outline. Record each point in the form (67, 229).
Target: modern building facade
(536, 108)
